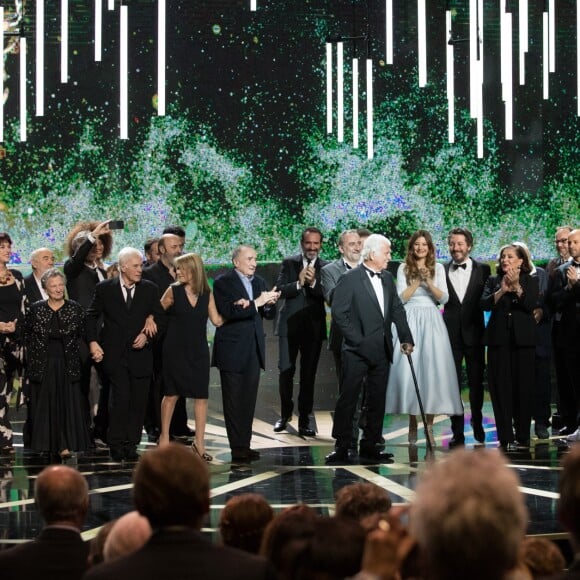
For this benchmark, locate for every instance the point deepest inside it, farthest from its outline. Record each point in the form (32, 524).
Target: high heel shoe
(412, 429)
(205, 456)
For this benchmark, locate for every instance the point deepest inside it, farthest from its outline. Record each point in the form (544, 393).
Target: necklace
(5, 278)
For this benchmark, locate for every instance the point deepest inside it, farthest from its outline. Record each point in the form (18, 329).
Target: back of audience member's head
(285, 537)
(542, 557)
(128, 534)
(62, 495)
(360, 500)
(333, 552)
(569, 502)
(171, 487)
(97, 544)
(243, 521)
(469, 517)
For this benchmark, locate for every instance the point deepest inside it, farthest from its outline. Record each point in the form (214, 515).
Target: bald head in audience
(128, 534)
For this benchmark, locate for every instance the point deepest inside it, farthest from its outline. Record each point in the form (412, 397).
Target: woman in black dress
(52, 331)
(12, 307)
(510, 336)
(189, 302)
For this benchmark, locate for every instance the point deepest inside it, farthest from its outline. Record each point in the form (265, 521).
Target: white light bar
(22, 89)
(450, 80)
(422, 31)
(370, 128)
(355, 103)
(328, 87)
(123, 80)
(161, 52)
(389, 31)
(64, 41)
(98, 30)
(340, 90)
(39, 33)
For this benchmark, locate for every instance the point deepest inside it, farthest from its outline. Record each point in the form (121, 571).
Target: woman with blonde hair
(422, 286)
(189, 303)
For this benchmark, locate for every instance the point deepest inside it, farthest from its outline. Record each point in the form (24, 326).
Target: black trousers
(567, 401)
(127, 403)
(239, 394)
(309, 348)
(474, 364)
(356, 371)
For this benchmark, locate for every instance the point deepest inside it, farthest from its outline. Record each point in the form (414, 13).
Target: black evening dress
(185, 348)
(58, 407)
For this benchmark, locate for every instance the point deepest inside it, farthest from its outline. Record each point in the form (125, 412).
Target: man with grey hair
(364, 306)
(62, 499)
(41, 260)
(123, 348)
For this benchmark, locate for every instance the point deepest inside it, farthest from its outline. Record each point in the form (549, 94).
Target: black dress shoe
(306, 431)
(338, 456)
(241, 455)
(253, 454)
(566, 431)
(375, 456)
(131, 455)
(456, 441)
(478, 432)
(117, 454)
(542, 432)
(281, 424)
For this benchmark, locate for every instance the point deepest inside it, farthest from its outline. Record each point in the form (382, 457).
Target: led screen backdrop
(242, 153)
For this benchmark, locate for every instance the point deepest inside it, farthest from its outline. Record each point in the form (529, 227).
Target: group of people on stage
(125, 345)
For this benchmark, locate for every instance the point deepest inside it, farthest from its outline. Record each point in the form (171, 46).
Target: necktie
(129, 300)
(455, 266)
(372, 274)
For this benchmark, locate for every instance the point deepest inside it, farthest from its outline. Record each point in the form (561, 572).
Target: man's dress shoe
(306, 431)
(456, 441)
(375, 456)
(245, 455)
(340, 456)
(478, 432)
(281, 424)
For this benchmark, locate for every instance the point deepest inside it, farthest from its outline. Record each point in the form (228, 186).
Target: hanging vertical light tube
(370, 127)
(523, 38)
(340, 91)
(450, 80)
(123, 80)
(545, 56)
(98, 30)
(161, 53)
(39, 33)
(552, 34)
(389, 31)
(479, 55)
(23, 89)
(64, 41)
(329, 87)
(577, 55)
(355, 103)
(253, 5)
(422, 32)
(507, 67)
(2, 78)
(111, 5)
(473, 72)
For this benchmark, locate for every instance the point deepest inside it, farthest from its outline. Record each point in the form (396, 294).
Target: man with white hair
(364, 305)
(123, 348)
(41, 260)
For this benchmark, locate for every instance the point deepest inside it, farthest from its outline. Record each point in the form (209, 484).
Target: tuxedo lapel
(369, 288)
(473, 280)
(450, 288)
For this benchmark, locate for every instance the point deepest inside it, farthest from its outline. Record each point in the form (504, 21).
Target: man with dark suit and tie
(239, 349)
(41, 260)
(59, 552)
(123, 348)
(364, 306)
(463, 317)
(171, 489)
(301, 328)
(565, 299)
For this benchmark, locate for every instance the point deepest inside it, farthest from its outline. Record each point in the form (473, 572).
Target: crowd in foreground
(467, 520)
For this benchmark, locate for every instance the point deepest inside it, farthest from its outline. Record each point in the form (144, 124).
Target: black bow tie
(455, 266)
(371, 273)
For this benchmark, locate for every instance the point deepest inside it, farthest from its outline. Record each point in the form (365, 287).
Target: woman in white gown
(422, 285)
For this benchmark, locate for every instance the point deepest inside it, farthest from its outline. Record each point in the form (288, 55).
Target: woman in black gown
(189, 302)
(53, 329)
(12, 305)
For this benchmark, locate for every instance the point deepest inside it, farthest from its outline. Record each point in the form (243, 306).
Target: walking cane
(429, 444)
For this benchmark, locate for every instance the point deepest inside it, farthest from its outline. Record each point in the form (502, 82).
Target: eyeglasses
(564, 241)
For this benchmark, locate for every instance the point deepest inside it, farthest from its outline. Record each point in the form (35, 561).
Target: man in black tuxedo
(123, 348)
(565, 299)
(41, 260)
(162, 273)
(59, 553)
(171, 489)
(301, 328)
(364, 306)
(463, 317)
(239, 349)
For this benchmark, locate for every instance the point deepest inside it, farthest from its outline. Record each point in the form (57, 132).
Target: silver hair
(35, 253)
(372, 245)
(127, 253)
(343, 235)
(51, 273)
(238, 251)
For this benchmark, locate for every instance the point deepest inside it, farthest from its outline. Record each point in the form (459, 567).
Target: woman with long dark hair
(422, 286)
(510, 336)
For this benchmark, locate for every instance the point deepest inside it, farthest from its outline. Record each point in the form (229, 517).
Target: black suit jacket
(159, 274)
(512, 320)
(464, 320)
(31, 289)
(357, 312)
(567, 303)
(329, 276)
(234, 341)
(181, 554)
(122, 325)
(80, 279)
(300, 310)
(57, 554)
